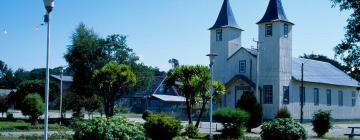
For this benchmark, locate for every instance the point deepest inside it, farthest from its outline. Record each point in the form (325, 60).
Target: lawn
(9, 126)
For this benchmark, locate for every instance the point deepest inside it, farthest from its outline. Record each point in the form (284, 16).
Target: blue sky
(157, 30)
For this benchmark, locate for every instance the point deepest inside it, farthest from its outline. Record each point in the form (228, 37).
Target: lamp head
(49, 5)
(212, 56)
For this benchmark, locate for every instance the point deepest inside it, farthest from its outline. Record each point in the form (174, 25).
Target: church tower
(225, 39)
(275, 36)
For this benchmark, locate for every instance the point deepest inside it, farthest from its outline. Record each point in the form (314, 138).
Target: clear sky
(157, 30)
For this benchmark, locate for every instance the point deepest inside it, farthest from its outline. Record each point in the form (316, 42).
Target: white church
(279, 74)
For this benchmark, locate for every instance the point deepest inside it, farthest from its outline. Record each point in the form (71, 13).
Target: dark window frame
(353, 99)
(268, 94)
(219, 35)
(286, 95)
(268, 30)
(328, 97)
(340, 98)
(242, 69)
(316, 96)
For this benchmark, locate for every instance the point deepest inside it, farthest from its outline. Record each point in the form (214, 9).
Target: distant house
(6, 92)
(67, 81)
(155, 99)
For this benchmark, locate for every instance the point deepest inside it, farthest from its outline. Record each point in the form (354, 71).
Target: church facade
(278, 74)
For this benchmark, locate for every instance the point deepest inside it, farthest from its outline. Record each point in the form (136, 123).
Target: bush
(191, 131)
(283, 113)
(33, 106)
(162, 127)
(146, 114)
(282, 129)
(108, 129)
(249, 103)
(321, 122)
(233, 121)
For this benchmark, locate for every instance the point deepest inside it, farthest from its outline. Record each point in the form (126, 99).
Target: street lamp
(61, 90)
(49, 5)
(212, 59)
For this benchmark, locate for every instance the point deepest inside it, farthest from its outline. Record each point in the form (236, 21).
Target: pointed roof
(274, 12)
(226, 17)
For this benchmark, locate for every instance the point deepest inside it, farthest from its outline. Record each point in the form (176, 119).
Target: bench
(352, 134)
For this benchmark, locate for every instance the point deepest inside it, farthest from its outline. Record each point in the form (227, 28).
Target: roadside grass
(348, 122)
(9, 126)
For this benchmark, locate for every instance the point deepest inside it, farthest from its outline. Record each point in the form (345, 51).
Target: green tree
(112, 81)
(33, 106)
(174, 62)
(3, 105)
(21, 75)
(348, 49)
(92, 104)
(33, 86)
(249, 103)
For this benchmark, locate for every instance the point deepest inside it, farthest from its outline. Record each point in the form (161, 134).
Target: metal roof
(274, 12)
(169, 98)
(64, 78)
(321, 72)
(226, 17)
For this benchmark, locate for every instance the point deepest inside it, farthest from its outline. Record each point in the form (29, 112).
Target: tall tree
(112, 81)
(174, 62)
(348, 49)
(4, 106)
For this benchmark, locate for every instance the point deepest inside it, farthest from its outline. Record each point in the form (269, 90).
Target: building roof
(226, 17)
(169, 98)
(5, 92)
(321, 72)
(64, 78)
(274, 12)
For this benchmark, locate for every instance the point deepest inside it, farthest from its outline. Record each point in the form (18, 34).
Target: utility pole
(257, 70)
(302, 94)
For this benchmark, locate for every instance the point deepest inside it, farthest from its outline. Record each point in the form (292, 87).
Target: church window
(219, 35)
(286, 98)
(353, 100)
(268, 30)
(328, 97)
(242, 66)
(302, 95)
(341, 98)
(268, 94)
(316, 96)
(286, 30)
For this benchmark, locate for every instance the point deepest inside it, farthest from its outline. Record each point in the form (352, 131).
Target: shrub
(108, 129)
(283, 113)
(162, 127)
(282, 129)
(33, 106)
(146, 114)
(191, 131)
(233, 121)
(249, 103)
(321, 122)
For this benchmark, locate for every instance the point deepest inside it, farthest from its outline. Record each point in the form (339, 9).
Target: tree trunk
(248, 130)
(112, 108)
(107, 109)
(201, 113)
(189, 110)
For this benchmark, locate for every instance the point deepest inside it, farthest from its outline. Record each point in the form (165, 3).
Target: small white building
(279, 75)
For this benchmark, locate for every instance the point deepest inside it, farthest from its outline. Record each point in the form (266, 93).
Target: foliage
(74, 102)
(146, 114)
(10, 117)
(6, 77)
(33, 86)
(321, 122)
(162, 127)
(174, 62)
(249, 103)
(283, 112)
(33, 106)
(92, 104)
(113, 128)
(3, 105)
(282, 129)
(194, 85)
(348, 49)
(191, 131)
(112, 81)
(233, 121)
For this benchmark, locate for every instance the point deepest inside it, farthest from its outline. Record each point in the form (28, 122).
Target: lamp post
(49, 5)
(61, 90)
(212, 59)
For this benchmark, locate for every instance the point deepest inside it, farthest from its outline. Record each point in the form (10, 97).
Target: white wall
(347, 111)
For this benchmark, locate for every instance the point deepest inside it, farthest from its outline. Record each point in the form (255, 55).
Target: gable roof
(226, 17)
(321, 72)
(274, 12)
(169, 98)
(64, 78)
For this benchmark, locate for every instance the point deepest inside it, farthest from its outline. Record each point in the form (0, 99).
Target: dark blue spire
(274, 12)
(226, 17)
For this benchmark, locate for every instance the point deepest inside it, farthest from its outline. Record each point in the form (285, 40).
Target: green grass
(348, 122)
(9, 126)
